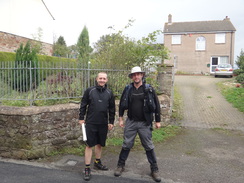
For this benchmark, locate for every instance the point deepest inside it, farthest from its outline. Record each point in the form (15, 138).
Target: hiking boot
(87, 174)
(155, 176)
(100, 166)
(118, 171)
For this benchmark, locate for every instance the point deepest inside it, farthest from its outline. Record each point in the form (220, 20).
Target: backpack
(149, 103)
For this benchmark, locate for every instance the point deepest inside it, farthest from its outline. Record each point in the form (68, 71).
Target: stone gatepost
(166, 88)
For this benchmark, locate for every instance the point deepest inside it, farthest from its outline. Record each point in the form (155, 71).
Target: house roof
(199, 26)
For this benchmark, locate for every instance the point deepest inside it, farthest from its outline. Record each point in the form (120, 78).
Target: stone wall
(10, 43)
(35, 132)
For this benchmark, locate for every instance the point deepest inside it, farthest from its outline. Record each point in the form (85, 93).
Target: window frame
(176, 39)
(200, 43)
(220, 38)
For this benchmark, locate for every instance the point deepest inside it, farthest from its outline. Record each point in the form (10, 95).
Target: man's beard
(137, 82)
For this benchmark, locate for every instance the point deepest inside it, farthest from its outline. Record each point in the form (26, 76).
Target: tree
(37, 45)
(113, 50)
(25, 74)
(240, 71)
(72, 51)
(240, 61)
(117, 49)
(83, 47)
(59, 48)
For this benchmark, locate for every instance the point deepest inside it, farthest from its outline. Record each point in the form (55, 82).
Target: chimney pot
(170, 19)
(227, 18)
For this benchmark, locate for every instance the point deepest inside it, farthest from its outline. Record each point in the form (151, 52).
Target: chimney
(170, 19)
(227, 18)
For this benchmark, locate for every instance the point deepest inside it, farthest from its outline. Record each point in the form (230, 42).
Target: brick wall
(10, 43)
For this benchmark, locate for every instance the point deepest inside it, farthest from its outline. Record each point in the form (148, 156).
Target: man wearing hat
(139, 120)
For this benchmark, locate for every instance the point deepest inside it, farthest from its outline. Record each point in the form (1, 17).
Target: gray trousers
(144, 132)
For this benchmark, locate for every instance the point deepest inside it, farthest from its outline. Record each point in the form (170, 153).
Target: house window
(220, 38)
(176, 39)
(223, 60)
(200, 43)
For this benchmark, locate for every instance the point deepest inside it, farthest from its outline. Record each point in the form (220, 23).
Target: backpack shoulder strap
(148, 87)
(129, 86)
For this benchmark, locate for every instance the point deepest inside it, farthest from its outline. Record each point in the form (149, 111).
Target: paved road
(25, 173)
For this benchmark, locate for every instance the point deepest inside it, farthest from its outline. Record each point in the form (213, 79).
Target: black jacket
(98, 105)
(125, 104)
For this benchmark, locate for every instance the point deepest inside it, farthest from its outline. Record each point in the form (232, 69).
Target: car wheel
(215, 76)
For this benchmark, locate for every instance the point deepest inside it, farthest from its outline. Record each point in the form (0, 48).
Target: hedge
(10, 56)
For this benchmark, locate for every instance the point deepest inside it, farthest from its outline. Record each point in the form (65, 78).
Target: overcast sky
(24, 17)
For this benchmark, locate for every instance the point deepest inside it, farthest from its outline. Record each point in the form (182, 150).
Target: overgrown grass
(232, 94)
(115, 141)
(177, 112)
(162, 134)
(54, 93)
(222, 130)
(79, 151)
(182, 73)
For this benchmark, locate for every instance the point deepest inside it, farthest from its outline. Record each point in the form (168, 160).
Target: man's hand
(121, 122)
(157, 124)
(81, 121)
(110, 126)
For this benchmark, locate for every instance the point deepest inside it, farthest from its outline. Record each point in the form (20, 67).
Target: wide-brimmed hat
(136, 69)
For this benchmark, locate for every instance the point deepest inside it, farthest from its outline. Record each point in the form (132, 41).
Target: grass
(115, 141)
(177, 113)
(232, 94)
(69, 150)
(182, 73)
(222, 130)
(165, 133)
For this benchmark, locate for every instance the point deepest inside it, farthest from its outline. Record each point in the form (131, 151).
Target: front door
(218, 60)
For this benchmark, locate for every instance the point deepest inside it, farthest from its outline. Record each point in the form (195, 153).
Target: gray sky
(24, 17)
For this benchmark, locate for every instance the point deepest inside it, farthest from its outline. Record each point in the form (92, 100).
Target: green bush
(237, 72)
(240, 78)
(10, 56)
(240, 72)
(7, 56)
(25, 62)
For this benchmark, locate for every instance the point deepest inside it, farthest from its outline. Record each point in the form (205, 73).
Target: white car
(224, 70)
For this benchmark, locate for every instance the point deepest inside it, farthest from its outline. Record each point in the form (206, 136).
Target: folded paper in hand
(84, 132)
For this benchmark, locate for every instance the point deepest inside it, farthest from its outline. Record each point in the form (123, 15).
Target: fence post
(89, 70)
(31, 91)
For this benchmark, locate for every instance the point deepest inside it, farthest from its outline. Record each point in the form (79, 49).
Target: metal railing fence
(51, 81)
